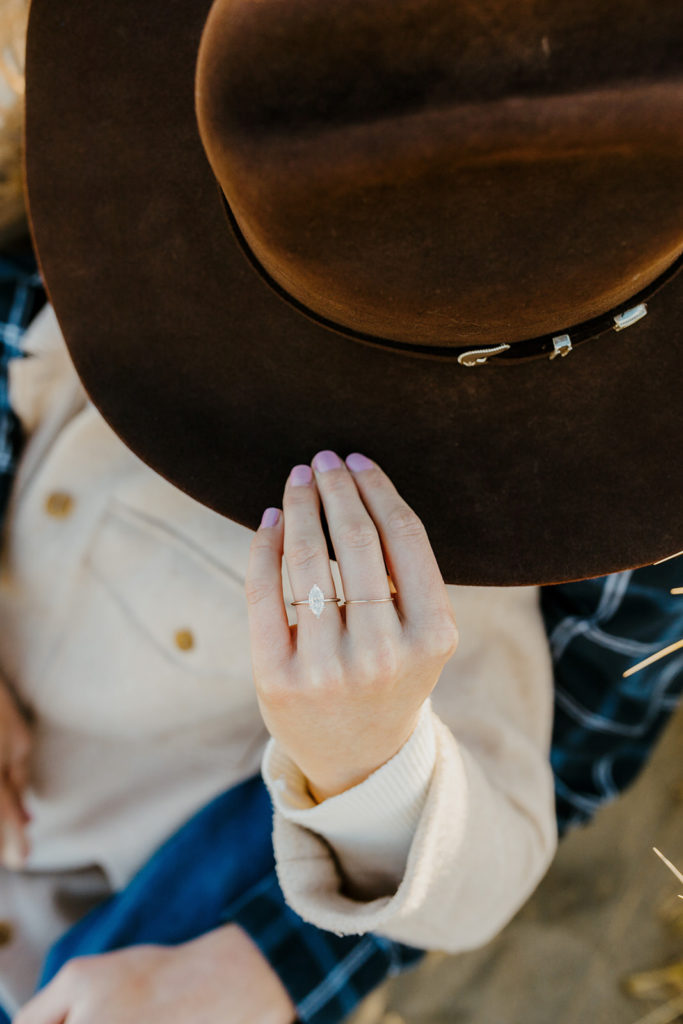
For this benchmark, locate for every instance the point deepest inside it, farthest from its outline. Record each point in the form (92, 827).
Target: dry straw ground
(601, 941)
(13, 17)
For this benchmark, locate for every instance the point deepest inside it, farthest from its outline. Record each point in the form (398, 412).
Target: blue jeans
(187, 886)
(219, 867)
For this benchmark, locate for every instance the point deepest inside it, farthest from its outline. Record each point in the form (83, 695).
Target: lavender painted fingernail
(271, 517)
(300, 475)
(357, 462)
(326, 460)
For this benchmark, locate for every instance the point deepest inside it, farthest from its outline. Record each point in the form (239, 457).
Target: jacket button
(6, 933)
(184, 640)
(59, 504)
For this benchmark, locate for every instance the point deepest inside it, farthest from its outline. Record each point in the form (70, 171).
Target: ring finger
(306, 558)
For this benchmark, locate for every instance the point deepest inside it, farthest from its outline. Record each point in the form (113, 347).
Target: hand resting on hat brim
(341, 693)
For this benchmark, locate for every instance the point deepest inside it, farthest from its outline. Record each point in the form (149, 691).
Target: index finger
(421, 592)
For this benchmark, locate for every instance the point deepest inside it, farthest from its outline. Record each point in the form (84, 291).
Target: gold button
(184, 640)
(59, 504)
(6, 933)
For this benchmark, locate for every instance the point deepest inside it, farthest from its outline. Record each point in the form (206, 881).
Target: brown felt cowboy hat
(441, 232)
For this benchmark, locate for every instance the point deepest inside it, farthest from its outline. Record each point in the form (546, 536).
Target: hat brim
(537, 473)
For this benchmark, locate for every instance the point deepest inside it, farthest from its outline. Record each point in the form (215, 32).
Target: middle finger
(356, 542)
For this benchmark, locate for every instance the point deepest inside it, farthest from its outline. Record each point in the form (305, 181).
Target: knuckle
(357, 535)
(440, 640)
(378, 663)
(77, 971)
(302, 554)
(404, 523)
(261, 543)
(375, 477)
(257, 590)
(335, 482)
(296, 498)
(326, 676)
(276, 691)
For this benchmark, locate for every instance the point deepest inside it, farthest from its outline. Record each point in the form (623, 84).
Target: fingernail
(326, 460)
(357, 462)
(270, 517)
(300, 475)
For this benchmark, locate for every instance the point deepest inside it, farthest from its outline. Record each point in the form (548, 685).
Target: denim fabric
(185, 887)
(217, 868)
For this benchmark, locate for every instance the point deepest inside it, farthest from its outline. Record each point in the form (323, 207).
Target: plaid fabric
(605, 726)
(326, 975)
(21, 296)
(604, 729)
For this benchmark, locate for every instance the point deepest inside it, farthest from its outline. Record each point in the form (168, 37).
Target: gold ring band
(316, 601)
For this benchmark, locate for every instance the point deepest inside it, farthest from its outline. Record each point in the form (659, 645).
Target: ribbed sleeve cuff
(370, 826)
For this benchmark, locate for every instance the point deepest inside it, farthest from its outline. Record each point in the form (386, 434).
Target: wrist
(325, 789)
(325, 782)
(293, 791)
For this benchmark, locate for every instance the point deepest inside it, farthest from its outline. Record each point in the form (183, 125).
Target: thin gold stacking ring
(316, 601)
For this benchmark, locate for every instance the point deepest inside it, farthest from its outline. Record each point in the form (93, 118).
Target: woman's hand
(15, 749)
(342, 693)
(219, 978)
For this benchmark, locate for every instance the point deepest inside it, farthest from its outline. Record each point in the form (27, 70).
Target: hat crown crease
(439, 212)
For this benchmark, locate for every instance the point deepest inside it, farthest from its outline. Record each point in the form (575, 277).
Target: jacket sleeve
(483, 828)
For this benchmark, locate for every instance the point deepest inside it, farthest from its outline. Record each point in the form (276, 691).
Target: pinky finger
(271, 640)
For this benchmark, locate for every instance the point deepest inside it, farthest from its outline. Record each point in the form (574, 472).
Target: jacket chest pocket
(156, 636)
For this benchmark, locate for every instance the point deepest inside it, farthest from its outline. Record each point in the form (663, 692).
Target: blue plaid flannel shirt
(21, 296)
(604, 728)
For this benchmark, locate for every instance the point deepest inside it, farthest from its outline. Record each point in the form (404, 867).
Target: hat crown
(446, 174)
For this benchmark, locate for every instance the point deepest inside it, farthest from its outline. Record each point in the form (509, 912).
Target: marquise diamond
(316, 600)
